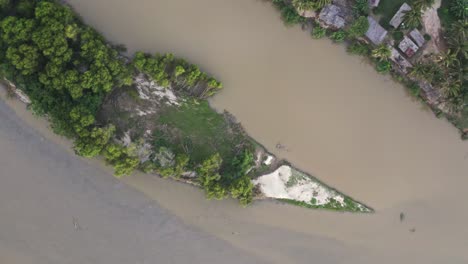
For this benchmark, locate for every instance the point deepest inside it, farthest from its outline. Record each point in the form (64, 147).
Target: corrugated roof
(398, 17)
(417, 37)
(376, 33)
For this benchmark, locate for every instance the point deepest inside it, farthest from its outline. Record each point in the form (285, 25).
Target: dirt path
(432, 25)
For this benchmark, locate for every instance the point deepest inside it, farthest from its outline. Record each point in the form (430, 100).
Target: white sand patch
(288, 183)
(269, 160)
(150, 90)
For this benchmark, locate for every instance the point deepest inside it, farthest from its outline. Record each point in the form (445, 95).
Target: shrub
(359, 27)
(357, 48)
(398, 35)
(288, 13)
(427, 37)
(413, 89)
(338, 36)
(361, 7)
(383, 67)
(318, 32)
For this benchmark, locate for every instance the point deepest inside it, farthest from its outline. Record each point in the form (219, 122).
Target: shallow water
(341, 121)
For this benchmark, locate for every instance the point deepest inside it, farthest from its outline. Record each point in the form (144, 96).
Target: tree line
(67, 69)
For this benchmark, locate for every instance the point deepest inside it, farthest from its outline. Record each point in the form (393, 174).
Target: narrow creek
(350, 127)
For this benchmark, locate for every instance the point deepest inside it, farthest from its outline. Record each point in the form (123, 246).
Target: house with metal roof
(376, 33)
(417, 37)
(408, 47)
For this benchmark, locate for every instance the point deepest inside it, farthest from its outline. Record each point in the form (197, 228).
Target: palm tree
(421, 71)
(459, 8)
(448, 59)
(304, 5)
(382, 52)
(457, 37)
(423, 4)
(412, 18)
(321, 3)
(451, 88)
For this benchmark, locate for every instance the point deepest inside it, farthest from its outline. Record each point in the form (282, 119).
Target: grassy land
(198, 131)
(387, 9)
(349, 205)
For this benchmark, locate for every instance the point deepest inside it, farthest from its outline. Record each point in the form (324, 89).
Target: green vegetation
(65, 67)
(381, 52)
(318, 32)
(359, 27)
(185, 77)
(398, 35)
(361, 8)
(358, 48)
(288, 12)
(338, 36)
(412, 18)
(194, 137)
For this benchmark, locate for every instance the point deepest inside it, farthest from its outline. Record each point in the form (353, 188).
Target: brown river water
(352, 128)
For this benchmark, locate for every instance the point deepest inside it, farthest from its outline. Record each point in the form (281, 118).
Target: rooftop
(331, 16)
(408, 46)
(417, 37)
(398, 17)
(376, 33)
(402, 63)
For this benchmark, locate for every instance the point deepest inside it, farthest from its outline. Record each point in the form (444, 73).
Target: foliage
(383, 66)
(459, 8)
(358, 48)
(359, 27)
(121, 158)
(398, 35)
(210, 179)
(304, 4)
(422, 4)
(381, 52)
(412, 18)
(288, 12)
(361, 7)
(413, 89)
(321, 3)
(338, 36)
(318, 32)
(184, 77)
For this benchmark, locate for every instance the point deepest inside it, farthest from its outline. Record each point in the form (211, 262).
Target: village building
(376, 33)
(398, 17)
(432, 95)
(402, 63)
(332, 16)
(408, 47)
(417, 37)
(374, 3)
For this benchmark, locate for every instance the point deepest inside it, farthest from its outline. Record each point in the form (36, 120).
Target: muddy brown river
(352, 128)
